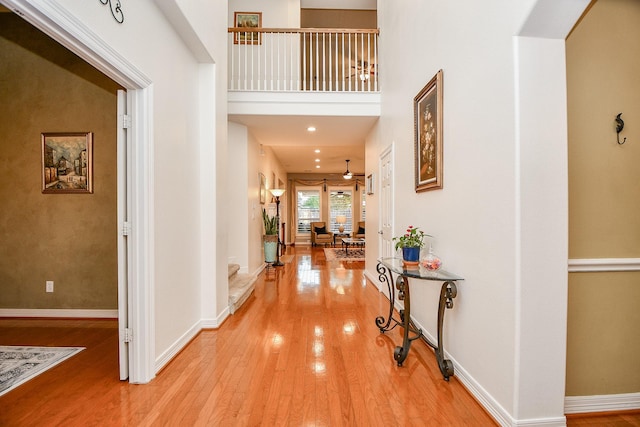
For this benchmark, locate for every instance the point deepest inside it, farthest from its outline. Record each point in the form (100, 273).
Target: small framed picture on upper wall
(247, 21)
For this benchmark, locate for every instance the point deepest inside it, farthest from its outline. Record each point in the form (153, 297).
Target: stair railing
(303, 59)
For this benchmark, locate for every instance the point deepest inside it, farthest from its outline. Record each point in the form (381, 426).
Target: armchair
(320, 234)
(358, 230)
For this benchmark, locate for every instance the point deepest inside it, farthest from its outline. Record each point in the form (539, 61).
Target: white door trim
(66, 29)
(387, 200)
(123, 193)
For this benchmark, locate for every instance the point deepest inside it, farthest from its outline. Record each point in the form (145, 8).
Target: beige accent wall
(603, 65)
(338, 18)
(67, 238)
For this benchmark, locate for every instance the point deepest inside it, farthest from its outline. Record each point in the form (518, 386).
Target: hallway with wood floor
(303, 350)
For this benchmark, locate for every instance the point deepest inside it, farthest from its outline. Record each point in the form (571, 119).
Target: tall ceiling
(338, 138)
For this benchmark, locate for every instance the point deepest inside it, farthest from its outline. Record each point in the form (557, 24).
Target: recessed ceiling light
(317, 160)
(311, 128)
(317, 166)
(316, 150)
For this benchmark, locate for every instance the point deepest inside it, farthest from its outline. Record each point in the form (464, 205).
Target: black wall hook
(619, 127)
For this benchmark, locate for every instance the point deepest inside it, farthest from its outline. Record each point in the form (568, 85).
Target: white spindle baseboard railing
(303, 59)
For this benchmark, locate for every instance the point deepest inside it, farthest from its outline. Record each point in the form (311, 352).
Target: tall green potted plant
(270, 236)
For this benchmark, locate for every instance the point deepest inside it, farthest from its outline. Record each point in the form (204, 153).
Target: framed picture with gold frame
(427, 109)
(67, 162)
(247, 20)
(369, 184)
(262, 192)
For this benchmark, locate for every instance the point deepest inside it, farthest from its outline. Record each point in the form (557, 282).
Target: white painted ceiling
(337, 137)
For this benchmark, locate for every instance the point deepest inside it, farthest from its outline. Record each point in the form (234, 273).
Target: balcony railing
(303, 59)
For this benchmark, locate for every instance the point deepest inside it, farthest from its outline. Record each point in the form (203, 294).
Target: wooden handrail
(303, 30)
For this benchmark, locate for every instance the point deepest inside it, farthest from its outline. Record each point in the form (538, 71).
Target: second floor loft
(303, 60)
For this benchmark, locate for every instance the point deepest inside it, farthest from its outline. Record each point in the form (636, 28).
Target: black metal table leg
(381, 323)
(447, 293)
(401, 352)
(386, 267)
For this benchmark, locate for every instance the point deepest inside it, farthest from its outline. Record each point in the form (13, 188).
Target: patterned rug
(19, 364)
(338, 254)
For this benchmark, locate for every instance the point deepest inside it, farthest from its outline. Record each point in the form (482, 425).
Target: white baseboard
(59, 312)
(175, 348)
(374, 280)
(499, 414)
(601, 403)
(215, 323)
(182, 342)
(259, 270)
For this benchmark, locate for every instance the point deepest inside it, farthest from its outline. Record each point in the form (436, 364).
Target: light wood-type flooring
(303, 351)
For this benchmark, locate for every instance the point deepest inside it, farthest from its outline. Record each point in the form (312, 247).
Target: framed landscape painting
(67, 162)
(427, 107)
(247, 20)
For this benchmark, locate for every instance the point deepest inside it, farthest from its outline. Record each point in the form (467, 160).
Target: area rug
(339, 254)
(20, 364)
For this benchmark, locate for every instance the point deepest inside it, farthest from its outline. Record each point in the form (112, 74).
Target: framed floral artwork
(67, 162)
(427, 109)
(247, 20)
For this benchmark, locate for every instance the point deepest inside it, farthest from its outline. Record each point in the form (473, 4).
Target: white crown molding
(580, 265)
(61, 25)
(601, 403)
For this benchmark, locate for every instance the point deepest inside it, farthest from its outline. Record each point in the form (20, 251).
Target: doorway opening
(54, 21)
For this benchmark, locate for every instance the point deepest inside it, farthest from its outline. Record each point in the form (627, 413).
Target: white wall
(238, 204)
(244, 209)
(146, 40)
(275, 14)
(473, 217)
(498, 215)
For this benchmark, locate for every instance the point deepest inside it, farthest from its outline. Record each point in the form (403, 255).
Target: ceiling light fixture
(311, 129)
(347, 174)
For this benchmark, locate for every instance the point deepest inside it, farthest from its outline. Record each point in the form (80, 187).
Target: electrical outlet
(49, 286)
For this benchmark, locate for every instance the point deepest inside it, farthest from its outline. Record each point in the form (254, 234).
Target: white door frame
(123, 193)
(386, 205)
(67, 30)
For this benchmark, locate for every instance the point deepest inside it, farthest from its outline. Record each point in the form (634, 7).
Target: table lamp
(341, 219)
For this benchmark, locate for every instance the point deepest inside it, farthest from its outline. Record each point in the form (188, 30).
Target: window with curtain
(363, 206)
(308, 209)
(341, 206)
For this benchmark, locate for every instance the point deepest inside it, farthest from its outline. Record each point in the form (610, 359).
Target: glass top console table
(386, 268)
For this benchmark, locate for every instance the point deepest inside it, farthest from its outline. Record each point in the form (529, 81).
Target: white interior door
(123, 232)
(386, 203)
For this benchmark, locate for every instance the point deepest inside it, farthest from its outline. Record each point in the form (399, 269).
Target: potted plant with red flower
(411, 243)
